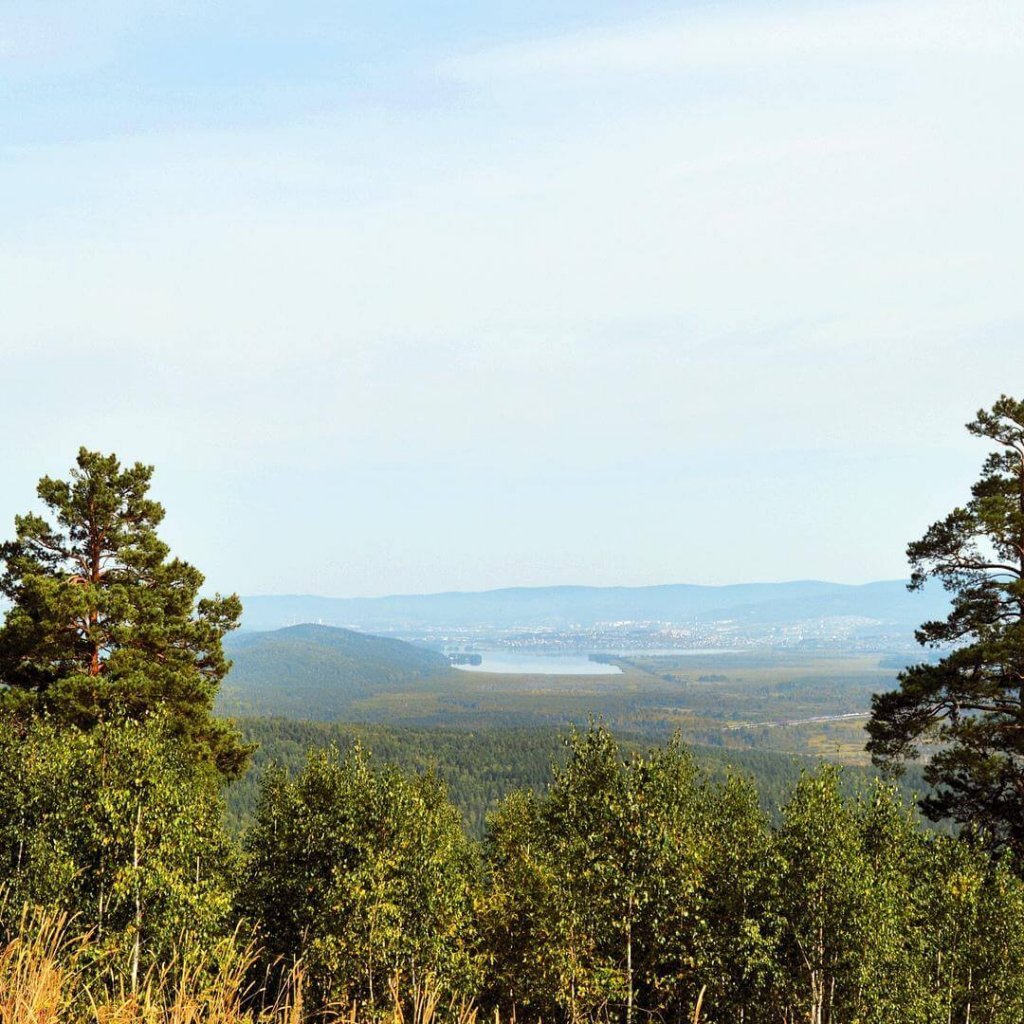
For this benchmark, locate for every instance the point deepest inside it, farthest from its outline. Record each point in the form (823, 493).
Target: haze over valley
(878, 615)
(786, 667)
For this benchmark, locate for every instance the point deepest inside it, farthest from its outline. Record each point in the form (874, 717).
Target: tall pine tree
(104, 623)
(967, 711)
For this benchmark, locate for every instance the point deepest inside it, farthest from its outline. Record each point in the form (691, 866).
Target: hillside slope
(315, 671)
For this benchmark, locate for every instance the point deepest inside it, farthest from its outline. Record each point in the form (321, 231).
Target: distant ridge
(886, 602)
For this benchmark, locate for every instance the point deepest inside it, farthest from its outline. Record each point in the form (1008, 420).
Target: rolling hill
(315, 671)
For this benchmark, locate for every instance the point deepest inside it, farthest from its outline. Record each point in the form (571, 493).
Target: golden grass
(42, 981)
(37, 972)
(199, 992)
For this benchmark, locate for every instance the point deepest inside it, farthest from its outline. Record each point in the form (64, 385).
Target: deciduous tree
(117, 827)
(364, 874)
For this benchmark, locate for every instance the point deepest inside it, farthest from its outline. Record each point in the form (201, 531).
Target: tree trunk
(95, 555)
(136, 859)
(629, 962)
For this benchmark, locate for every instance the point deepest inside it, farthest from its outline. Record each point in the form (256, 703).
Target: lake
(518, 663)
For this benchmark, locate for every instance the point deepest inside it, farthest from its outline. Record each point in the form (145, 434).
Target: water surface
(519, 663)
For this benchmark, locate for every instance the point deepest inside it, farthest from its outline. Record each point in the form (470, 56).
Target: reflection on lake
(517, 663)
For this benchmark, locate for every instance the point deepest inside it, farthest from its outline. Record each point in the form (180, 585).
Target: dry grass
(42, 981)
(200, 992)
(37, 973)
(422, 1004)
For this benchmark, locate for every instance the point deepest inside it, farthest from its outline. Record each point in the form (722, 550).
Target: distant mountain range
(886, 603)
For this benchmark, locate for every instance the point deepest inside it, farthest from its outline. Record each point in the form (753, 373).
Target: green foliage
(103, 622)
(633, 887)
(968, 708)
(636, 888)
(602, 893)
(848, 899)
(117, 826)
(735, 943)
(482, 767)
(363, 873)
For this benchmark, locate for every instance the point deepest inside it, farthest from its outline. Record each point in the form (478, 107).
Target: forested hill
(886, 602)
(310, 671)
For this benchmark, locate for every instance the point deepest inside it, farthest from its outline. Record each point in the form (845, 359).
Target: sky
(409, 297)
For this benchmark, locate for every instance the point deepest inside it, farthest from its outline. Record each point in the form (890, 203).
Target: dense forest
(480, 768)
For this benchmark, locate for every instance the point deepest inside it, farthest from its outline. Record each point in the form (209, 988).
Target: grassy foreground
(48, 976)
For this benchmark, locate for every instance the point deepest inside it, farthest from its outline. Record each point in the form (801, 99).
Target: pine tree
(103, 622)
(969, 707)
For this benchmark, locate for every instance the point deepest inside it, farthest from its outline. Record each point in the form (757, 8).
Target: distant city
(809, 615)
(832, 633)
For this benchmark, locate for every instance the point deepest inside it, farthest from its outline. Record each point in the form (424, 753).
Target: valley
(795, 702)
(488, 704)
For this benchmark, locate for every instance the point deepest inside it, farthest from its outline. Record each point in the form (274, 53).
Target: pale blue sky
(402, 297)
